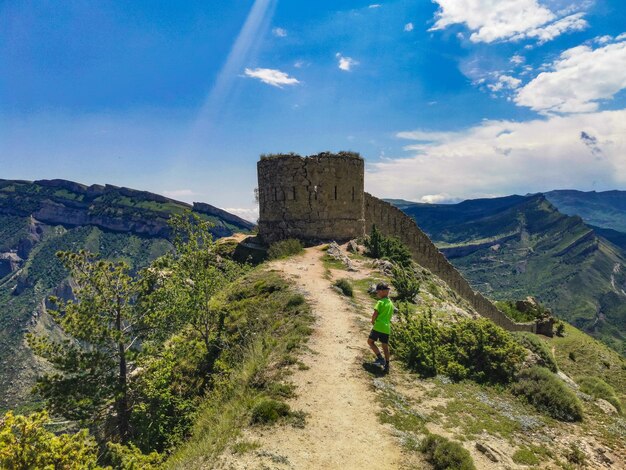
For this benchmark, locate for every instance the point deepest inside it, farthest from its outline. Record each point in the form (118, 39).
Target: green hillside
(37, 220)
(516, 246)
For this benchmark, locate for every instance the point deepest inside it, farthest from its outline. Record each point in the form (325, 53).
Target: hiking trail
(342, 429)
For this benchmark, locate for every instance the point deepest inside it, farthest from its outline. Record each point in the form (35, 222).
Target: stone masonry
(322, 197)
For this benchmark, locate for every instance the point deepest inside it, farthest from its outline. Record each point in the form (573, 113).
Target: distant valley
(565, 247)
(39, 218)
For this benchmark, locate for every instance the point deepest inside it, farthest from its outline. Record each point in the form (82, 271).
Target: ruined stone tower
(311, 198)
(321, 197)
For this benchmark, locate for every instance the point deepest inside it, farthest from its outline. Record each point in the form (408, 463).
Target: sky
(446, 100)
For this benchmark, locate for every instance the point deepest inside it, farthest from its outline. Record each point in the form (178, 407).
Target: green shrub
(25, 443)
(285, 248)
(470, 349)
(345, 287)
(415, 340)
(444, 454)
(598, 388)
(380, 246)
(560, 329)
(406, 283)
(546, 392)
(532, 342)
(525, 456)
(296, 300)
(267, 411)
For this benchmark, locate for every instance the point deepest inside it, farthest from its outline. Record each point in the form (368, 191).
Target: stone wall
(391, 221)
(319, 197)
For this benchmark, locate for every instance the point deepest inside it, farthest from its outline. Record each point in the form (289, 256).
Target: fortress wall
(311, 198)
(391, 221)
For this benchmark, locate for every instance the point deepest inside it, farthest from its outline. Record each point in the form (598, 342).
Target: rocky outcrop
(118, 209)
(9, 263)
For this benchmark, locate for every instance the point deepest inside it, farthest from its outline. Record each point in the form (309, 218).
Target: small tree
(406, 284)
(193, 279)
(103, 326)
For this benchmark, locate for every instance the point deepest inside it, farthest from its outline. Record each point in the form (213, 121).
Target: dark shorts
(378, 336)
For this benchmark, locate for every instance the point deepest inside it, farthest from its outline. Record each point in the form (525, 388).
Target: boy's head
(382, 290)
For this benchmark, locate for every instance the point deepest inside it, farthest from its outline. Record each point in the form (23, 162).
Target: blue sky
(446, 100)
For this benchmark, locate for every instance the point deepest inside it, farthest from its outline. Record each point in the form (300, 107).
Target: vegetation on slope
(119, 224)
(208, 334)
(516, 246)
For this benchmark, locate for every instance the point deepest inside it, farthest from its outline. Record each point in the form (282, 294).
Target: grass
(285, 248)
(268, 411)
(579, 355)
(274, 326)
(243, 447)
(539, 347)
(525, 456)
(330, 263)
(345, 286)
(598, 388)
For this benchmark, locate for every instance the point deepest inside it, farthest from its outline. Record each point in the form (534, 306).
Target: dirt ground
(342, 429)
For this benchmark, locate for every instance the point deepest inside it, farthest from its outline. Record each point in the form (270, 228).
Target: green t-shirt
(384, 307)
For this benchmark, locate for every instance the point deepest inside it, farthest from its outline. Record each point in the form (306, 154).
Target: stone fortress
(322, 197)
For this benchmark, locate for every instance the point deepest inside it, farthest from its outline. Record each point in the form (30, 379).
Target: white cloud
(505, 20)
(408, 27)
(345, 63)
(505, 82)
(504, 157)
(251, 214)
(279, 32)
(271, 77)
(374, 5)
(517, 59)
(577, 80)
(443, 198)
(300, 63)
(603, 39)
(549, 32)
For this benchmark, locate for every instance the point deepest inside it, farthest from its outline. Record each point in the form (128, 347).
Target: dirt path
(342, 430)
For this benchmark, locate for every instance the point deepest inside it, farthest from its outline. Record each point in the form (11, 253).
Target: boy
(381, 321)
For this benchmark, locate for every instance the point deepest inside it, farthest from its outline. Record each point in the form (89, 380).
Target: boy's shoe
(380, 362)
(386, 368)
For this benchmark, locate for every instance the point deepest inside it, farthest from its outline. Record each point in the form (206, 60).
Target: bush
(406, 283)
(345, 287)
(444, 454)
(470, 349)
(26, 443)
(268, 411)
(546, 392)
(379, 246)
(532, 342)
(598, 388)
(285, 248)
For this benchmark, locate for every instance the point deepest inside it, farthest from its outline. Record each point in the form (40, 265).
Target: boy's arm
(374, 316)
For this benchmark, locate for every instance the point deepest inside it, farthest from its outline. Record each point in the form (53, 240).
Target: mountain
(39, 218)
(606, 209)
(515, 246)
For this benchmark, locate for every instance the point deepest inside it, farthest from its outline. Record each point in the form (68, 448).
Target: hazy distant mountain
(605, 209)
(514, 246)
(38, 219)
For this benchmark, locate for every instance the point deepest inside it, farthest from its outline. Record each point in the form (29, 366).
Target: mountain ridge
(39, 218)
(518, 245)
